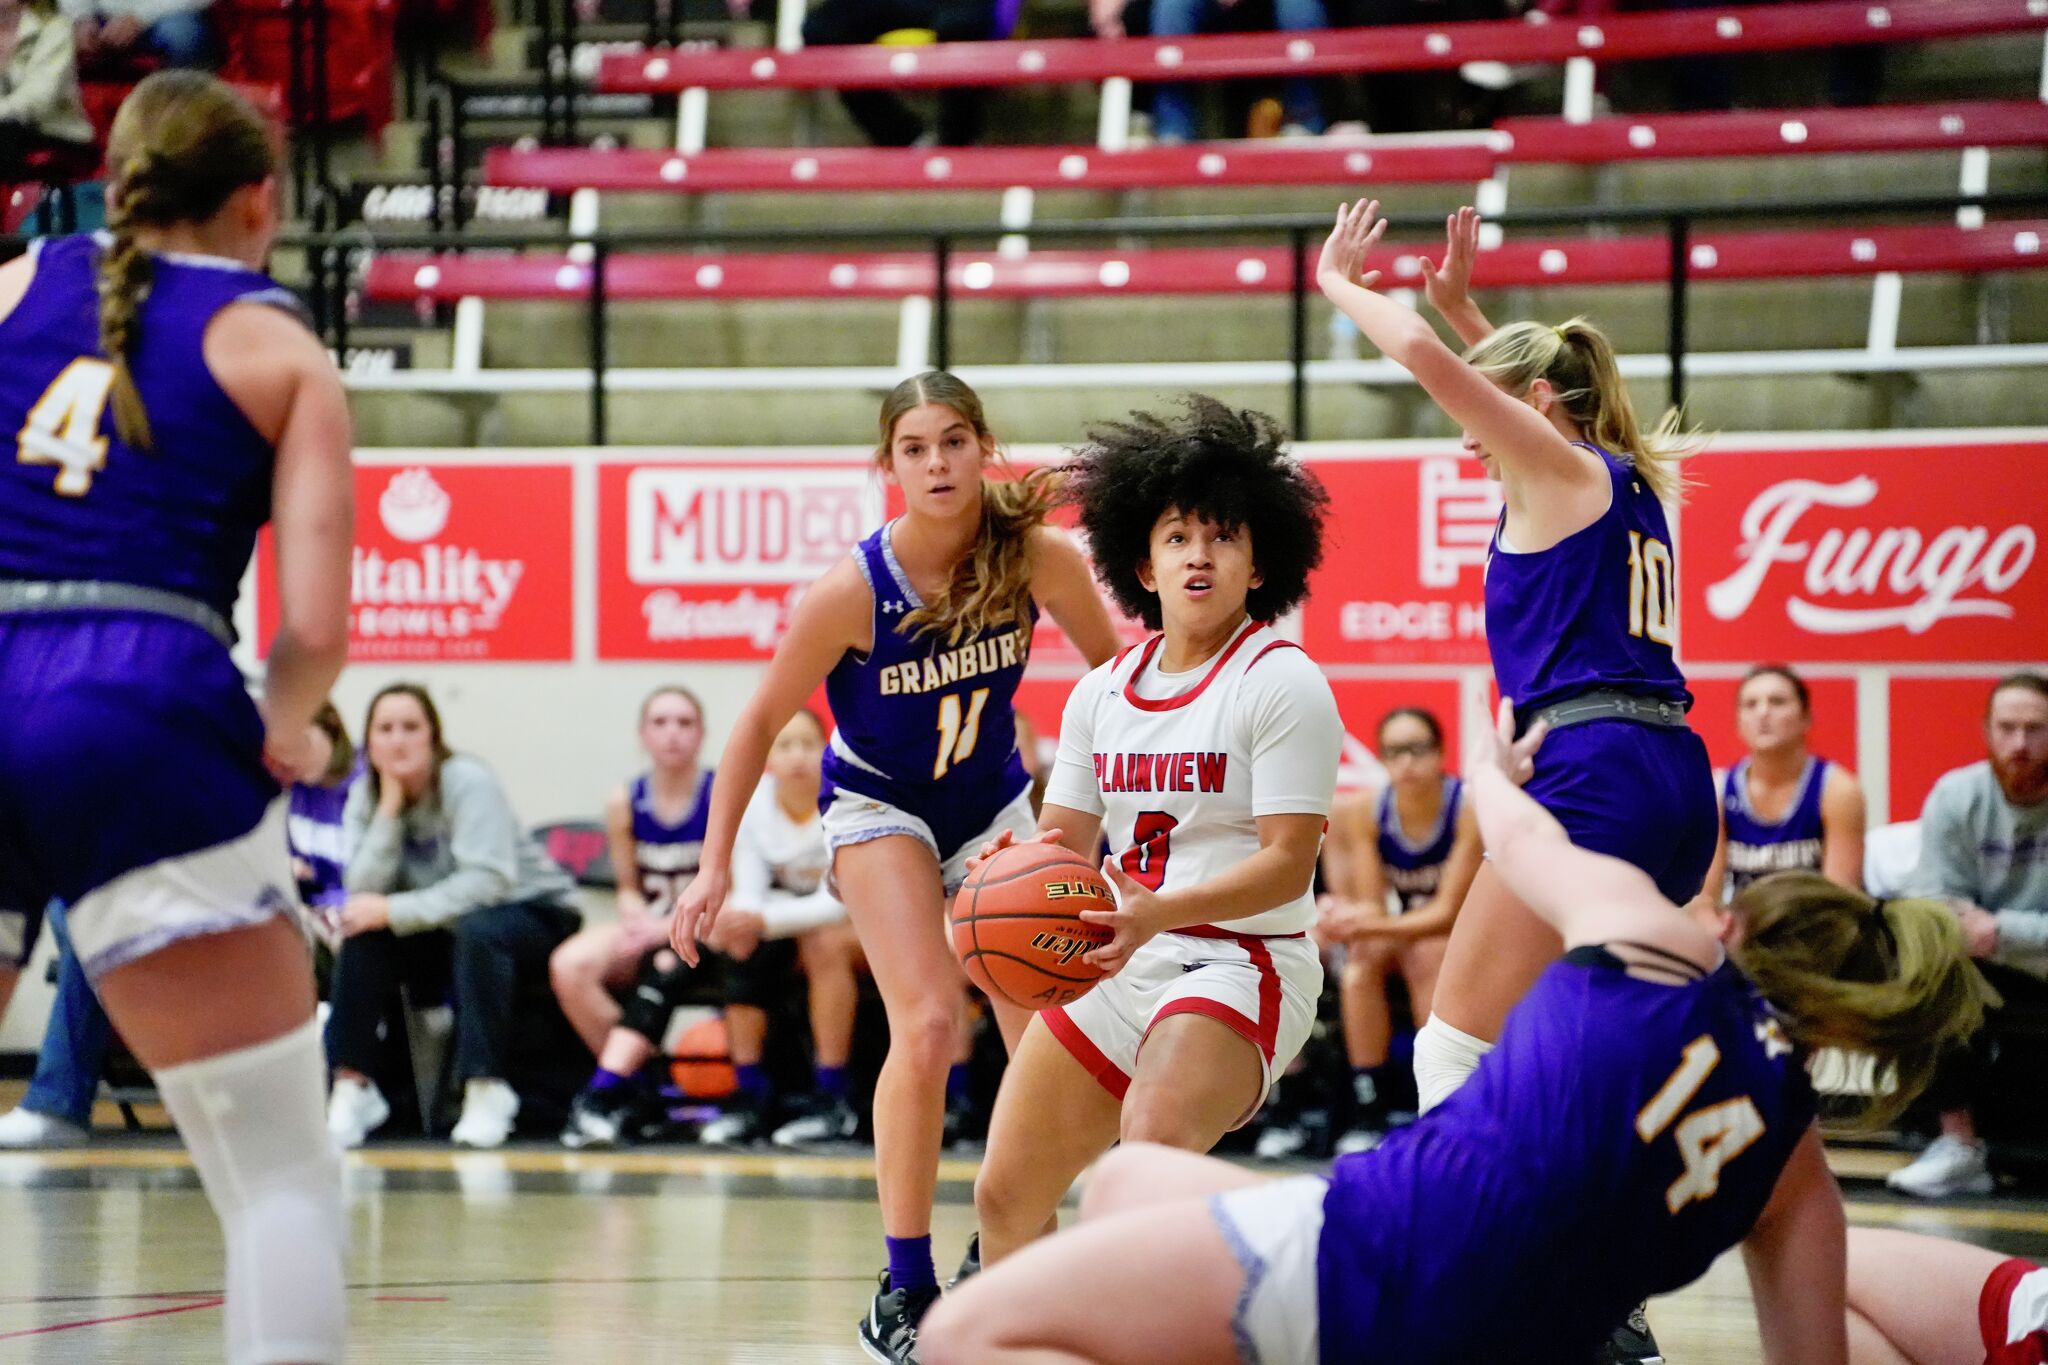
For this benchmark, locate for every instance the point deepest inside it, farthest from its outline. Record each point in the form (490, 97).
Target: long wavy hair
(990, 587)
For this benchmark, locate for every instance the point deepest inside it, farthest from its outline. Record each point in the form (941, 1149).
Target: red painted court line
(101, 1322)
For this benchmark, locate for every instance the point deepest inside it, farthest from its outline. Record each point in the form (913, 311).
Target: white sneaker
(355, 1109)
(1280, 1142)
(488, 1108)
(29, 1128)
(1950, 1166)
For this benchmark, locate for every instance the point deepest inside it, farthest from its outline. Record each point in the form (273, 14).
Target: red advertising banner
(453, 562)
(1889, 554)
(1937, 724)
(707, 560)
(1362, 704)
(1403, 571)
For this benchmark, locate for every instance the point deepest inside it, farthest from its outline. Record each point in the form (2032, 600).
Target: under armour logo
(892, 608)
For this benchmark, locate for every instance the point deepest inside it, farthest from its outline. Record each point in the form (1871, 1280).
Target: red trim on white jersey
(1130, 688)
(1271, 645)
(1218, 931)
(1994, 1318)
(1263, 1032)
(1084, 1051)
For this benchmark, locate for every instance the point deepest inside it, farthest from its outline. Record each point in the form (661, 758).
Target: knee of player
(950, 1335)
(565, 970)
(1366, 960)
(1113, 1177)
(1157, 1117)
(927, 1036)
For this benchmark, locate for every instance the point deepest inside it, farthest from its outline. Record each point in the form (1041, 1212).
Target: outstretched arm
(1587, 897)
(1529, 448)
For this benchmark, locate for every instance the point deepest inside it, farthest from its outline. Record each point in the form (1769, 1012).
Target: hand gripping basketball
(1019, 926)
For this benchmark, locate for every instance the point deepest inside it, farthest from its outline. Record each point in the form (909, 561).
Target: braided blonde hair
(181, 144)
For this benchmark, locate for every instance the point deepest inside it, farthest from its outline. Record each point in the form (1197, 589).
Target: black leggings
(762, 979)
(496, 960)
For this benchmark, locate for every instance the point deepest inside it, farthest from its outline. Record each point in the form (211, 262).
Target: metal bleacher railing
(335, 268)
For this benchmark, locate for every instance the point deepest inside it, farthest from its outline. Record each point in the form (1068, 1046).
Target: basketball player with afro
(1208, 757)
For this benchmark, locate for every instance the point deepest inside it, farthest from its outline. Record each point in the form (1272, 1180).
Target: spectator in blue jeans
(168, 32)
(1173, 103)
(57, 1110)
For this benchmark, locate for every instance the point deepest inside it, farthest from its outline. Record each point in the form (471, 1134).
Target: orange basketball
(702, 1065)
(1017, 925)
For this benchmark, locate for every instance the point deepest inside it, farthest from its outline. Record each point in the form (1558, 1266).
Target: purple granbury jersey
(1597, 610)
(1623, 1134)
(77, 503)
(1758, 847)
(665, 857)
(1414, 871)
(925, 725)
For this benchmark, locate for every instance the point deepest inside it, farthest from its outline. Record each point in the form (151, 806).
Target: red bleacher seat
(1895, 128)
(445, 278)
(1316, 162)
(360, 53)
(1407, 47)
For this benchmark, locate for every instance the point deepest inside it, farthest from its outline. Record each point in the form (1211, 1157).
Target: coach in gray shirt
(1984, 846)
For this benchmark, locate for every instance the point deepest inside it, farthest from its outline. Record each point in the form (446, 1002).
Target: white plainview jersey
(1181, 766)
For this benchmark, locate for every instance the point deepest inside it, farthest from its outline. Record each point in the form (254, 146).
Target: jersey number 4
(63, 428)
(1709, 1138)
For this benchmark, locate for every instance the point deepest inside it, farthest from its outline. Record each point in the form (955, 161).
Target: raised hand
(1449, 286)
(1359, 227)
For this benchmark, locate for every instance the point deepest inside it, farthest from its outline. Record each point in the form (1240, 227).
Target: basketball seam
(1048, 975)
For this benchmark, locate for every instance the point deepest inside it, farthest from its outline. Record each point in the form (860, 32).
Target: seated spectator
(655, 826)
(883, 116)
(1782, 808)
(1399, 864)
(120, 34)
(442, 885)
(783, 912)
(1984, 845)
(1173, 102)
(57, 1110)
(40, 108)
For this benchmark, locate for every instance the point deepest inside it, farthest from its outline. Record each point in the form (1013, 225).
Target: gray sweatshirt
(1977, 845)
(458, 848)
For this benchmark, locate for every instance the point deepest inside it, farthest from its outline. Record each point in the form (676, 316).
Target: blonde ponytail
(1578, 361)
(181, 144)
(1888, 979)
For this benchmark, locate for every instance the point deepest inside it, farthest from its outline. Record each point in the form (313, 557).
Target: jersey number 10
(1652, 589)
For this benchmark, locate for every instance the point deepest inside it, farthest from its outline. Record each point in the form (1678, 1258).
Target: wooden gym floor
(110, 1253)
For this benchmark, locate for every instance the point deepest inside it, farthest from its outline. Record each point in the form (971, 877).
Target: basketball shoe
(597, 1118)
(743, 1125)
(1631, 1343)
(970, 1264)
(888, 1333)
(825, 1118)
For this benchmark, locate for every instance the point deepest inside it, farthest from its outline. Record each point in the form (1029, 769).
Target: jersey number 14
(63, 428)
(1708, 1138)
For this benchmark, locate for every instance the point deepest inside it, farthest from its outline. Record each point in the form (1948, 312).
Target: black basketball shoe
(970, 1264)
(1631, 1343)
(888, 1333)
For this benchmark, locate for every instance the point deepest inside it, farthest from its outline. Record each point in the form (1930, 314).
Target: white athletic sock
(254, 1122)
(1444, 1057)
